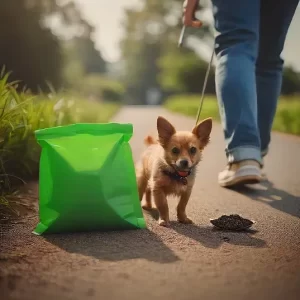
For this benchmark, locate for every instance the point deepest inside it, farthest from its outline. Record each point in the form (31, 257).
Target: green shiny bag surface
(87, 179)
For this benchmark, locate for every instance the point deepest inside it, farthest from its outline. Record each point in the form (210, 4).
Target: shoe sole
(249, 179)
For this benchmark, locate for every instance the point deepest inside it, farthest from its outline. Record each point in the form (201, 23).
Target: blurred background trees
(47, 43)
(28, 48)
(152, 60)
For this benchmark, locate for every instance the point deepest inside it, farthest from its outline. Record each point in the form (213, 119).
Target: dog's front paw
(185, 220)
(163, 223)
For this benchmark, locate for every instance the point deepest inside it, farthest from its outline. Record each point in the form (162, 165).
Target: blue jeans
(250, 36)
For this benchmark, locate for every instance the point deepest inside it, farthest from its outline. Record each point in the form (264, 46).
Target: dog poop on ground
(232, 222)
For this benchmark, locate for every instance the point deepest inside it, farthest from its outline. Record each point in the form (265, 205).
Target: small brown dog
(168, 167)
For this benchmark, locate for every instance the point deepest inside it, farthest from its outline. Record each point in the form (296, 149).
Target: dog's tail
(150, 140)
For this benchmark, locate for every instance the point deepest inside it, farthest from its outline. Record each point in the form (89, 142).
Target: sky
(106, 16)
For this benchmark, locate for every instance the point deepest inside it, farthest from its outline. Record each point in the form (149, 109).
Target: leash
(180, 41)
(204, 86)
(190, 20)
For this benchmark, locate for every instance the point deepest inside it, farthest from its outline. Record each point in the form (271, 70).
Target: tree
(141, 47)
(34, 49)
(91, 58)
(28, 48)
(150, 53)
(184, 72)
(76, 33)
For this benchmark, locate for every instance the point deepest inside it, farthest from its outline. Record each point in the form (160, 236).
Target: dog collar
(177, 177)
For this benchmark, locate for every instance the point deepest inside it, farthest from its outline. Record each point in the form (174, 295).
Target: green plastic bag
(87, 179)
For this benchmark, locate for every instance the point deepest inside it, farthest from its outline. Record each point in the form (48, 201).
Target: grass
(21, 114)
(286, 120)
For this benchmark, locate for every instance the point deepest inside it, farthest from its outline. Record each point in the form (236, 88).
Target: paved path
(184, 262)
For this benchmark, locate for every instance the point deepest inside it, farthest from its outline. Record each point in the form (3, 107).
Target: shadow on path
(214, 238)
(210, 237)
(279, 199)
(116, 246)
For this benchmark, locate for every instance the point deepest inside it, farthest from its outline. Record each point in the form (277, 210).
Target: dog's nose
(184, 163)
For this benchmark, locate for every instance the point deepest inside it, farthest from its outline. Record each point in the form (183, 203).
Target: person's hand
(189, 10)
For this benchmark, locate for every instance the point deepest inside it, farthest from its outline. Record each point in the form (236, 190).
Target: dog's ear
(165, 130)
(203, 130)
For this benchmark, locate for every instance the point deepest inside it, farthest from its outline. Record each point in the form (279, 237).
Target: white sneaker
(244, 172)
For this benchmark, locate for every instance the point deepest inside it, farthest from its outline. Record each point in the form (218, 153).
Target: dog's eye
(193, 150)
(175, 150)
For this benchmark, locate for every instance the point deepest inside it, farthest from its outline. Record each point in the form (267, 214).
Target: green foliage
(81, 59)
(100, 87)
(290, 81)
(111, 90)
(21, 114)
(153, 60)
(183, 71)
(188, 105)
(84, 70)
(28, 48)
(36, 50)
(150, 53)
(286, 120)
(73, 69)
(142, 45)
(91, 58)
(287, 115)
